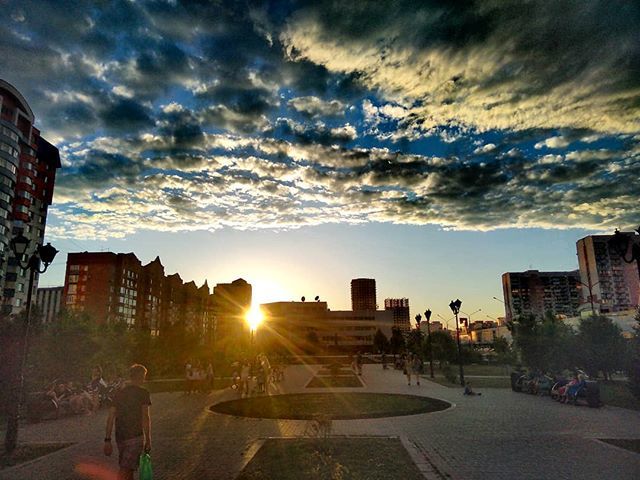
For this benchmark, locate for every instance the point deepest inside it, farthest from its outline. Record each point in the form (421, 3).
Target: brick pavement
(498, 435)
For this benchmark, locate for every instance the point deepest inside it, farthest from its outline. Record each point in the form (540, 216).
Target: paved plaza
(499, 435)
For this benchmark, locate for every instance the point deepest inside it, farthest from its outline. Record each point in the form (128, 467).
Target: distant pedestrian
(416, 368)
(188, 377)
(407, 366)
(210, 376)
(131, 414)
(359, 363)
(245, 371)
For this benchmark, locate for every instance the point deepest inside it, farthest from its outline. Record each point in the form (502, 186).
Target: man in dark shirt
(130, 411)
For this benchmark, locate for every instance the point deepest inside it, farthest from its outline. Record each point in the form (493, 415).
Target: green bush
(449, 373)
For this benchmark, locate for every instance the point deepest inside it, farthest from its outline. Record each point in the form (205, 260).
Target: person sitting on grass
(468, 390)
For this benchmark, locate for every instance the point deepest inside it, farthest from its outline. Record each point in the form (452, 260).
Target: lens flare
(254, 317)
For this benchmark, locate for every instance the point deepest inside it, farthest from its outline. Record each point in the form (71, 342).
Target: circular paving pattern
(339, 406)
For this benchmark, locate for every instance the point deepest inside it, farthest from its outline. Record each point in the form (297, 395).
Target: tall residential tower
(28, 166)
(536, 293)
(614, 284)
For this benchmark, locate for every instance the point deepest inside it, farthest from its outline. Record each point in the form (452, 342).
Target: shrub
(449, 373)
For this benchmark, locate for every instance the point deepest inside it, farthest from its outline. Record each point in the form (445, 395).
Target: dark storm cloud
(244, 100)
(181, 126)
(126, 115)
(99, 169)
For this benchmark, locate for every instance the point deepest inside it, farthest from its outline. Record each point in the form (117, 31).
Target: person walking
(210, 376)
(416, 367)
(245, 372)
(131, 414)
(406, 368)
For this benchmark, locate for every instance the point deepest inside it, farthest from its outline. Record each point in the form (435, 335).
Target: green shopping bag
(146, 472)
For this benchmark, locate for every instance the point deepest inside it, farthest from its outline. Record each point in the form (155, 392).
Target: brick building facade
(117, 287)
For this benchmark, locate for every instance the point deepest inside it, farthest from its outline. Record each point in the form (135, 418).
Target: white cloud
(314, 106)
(553, 142)
(489, 147)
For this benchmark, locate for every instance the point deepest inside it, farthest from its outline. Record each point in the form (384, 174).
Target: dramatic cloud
(185, 115)
(486, 65)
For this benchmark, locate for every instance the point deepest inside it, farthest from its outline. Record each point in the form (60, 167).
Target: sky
(430, 145)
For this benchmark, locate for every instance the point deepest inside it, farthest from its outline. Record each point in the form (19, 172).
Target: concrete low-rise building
(49, 301)
(487, 334)
(298, 327)
(626, 320)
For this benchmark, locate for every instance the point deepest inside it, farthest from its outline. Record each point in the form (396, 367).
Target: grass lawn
(347, 405)
(335, 382)
(331, 458)
(26, 452)
(491, 370)
(476, 383)
(618, 394)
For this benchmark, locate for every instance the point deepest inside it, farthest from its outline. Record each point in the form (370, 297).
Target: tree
(415, 341)
(444, 347)
(380, 342)
(64, 350)
(545, 344)
(601, 346)
(397, 342)
(504, 353)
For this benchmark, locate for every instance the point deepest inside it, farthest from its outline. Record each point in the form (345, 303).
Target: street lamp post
(445, 320)
(455, 308)
(623, 242)
(43, 254)
(427, 315)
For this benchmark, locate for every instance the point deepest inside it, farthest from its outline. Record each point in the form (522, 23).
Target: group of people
(259, 369)
(412, 367)
(198, 377)
(62, 398)
(568, 393)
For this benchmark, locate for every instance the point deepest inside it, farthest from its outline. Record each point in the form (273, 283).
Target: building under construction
(400, 309)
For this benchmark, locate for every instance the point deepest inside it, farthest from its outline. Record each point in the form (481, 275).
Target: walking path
(499, 435)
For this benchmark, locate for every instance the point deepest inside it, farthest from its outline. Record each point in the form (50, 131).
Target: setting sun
(254, 317)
